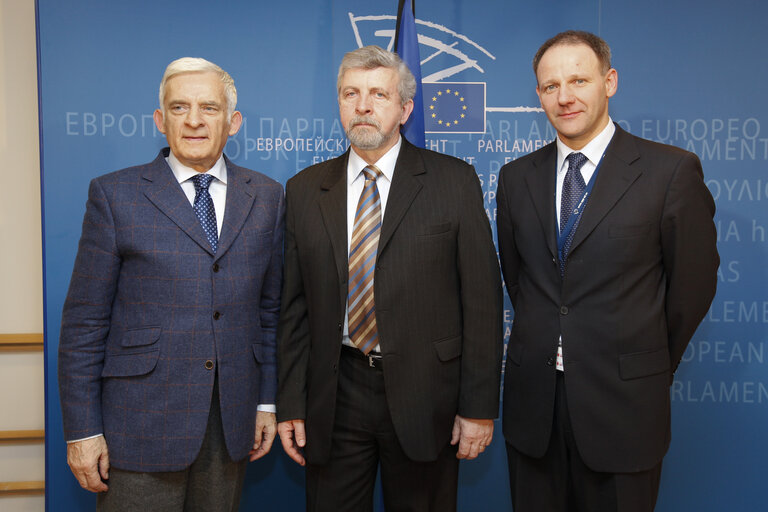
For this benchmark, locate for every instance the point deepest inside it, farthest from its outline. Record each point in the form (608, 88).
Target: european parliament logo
(454, 107)
(449, 107)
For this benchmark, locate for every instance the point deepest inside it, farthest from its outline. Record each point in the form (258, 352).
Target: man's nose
(363, 105)
(193, 117)
(564, 95)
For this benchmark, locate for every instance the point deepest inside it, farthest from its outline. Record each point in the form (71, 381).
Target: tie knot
(202, 181)
(576, 160)
(372, 172)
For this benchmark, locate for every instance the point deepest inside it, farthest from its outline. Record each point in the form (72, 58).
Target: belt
(373, 360)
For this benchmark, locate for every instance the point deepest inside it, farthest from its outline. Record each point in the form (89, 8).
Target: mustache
(364, 120)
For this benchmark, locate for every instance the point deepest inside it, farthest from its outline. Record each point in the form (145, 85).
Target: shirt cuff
(85, 438)
(267, 408)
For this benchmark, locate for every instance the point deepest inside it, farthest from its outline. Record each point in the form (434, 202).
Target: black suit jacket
(640, 276)
(438, 301)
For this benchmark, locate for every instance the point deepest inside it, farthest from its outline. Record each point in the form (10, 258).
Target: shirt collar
(183, 173)
(386, 163)
(593, 150)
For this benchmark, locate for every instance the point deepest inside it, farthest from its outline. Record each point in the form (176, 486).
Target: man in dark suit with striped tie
(390, 335)
(167, 353)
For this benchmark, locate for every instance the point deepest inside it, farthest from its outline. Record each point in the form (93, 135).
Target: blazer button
(216, 315)
(550, 361)
(209, 365)
(215, 267)
(563, 310)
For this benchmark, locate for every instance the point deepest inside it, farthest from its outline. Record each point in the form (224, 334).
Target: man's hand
(265, 434)
(293, 438)
(89, 462)
(473, 435)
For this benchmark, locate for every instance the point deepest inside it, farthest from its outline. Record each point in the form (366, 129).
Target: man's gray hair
(372, 57)
(193, 65)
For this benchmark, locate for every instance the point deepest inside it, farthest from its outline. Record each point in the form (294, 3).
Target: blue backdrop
(690, 74)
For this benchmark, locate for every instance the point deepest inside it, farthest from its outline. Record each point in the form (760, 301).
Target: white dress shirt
(217, 188)
(594, 152)
(355, 182)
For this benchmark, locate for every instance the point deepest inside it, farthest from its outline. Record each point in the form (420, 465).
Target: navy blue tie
(204, 209)
(573, 191)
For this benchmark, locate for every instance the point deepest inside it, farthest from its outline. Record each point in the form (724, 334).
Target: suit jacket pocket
(130, 365)
(435, 229)
(643, 364)
(257, 232)
(140, 336)
(628, 231)
(448, 348)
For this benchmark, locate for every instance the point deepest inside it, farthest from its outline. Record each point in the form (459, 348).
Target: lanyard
(575, 215)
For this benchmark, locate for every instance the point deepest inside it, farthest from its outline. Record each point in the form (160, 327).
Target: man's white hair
(196, 64)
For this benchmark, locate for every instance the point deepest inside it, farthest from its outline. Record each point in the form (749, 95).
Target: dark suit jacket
(149, 305)
(640, 276)
(437, 292)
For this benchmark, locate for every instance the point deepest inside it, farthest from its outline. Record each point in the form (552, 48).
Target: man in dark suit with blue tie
(609, 255)
(167, 354)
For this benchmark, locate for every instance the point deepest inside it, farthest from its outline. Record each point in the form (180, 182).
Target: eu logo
(454, 107)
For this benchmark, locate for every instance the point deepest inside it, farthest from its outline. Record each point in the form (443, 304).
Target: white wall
(21, 297)
(21, 300)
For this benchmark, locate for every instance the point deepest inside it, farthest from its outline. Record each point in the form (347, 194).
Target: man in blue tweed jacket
(167, 352)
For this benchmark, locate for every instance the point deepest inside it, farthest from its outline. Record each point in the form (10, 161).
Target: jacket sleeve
(293, 330)
(508, 255)
(86, 319)
(689, 246)
(270, 305)
(481, 302)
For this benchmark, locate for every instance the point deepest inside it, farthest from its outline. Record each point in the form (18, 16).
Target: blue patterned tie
(573, 190)
(203, 206)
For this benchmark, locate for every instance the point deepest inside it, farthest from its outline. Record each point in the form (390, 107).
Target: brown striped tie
(362, 260)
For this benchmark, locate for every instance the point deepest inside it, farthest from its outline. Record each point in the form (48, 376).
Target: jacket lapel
(241, 194)
(615, 176)
(162, 189)
(333, 208)
(405, 186)
(541, 186)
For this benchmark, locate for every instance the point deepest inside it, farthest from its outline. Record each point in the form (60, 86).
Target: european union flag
(407, 47)
(454, 107)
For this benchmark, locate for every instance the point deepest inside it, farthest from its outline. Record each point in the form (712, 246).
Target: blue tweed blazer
(152, 316)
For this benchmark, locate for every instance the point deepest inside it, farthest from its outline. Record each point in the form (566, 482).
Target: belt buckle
(373, 360)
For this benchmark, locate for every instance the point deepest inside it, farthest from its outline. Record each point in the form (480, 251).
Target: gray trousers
(212, 483)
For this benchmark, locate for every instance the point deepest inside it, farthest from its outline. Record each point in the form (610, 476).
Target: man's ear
(235, 122)
(158, 117)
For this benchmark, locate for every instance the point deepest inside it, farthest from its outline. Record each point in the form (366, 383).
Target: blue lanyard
(575, 215)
